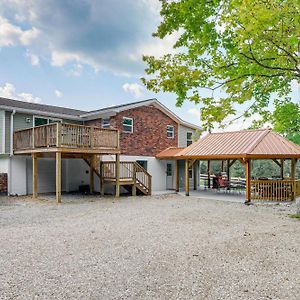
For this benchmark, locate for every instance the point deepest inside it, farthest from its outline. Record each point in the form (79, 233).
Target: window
(190, 172)
(170, 131)
(169, 169)
(143, 163)
(127, 125)
(189, 138)
(38, 121)
(105, 123)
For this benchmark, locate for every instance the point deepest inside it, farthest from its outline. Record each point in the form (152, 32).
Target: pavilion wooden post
(208, 174)
(187, 185)
(58, 176)
(195, 175)
(92, 166)
(282, 168)
(177, 176)
(228, 170)
(248, 181)
(117, 175)
(222, 166)
(293, 175)
(34, 176)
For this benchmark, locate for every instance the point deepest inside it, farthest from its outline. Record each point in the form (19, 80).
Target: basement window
(127, 125)
(170, 131)
(143, 164)
(105, 123)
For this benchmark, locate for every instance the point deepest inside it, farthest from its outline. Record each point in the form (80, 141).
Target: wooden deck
(66, 138)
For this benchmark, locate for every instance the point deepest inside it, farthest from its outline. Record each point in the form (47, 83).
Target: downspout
(11, 151)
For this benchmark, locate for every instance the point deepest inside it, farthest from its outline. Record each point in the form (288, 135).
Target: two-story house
(143, 130)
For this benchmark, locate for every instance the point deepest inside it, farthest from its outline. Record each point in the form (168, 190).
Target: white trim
(3, 132)
(127, 118)
(168, 131)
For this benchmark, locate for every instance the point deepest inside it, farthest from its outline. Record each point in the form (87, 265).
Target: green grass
(295, 216)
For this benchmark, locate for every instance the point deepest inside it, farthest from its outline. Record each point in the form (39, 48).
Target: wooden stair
(132, 176)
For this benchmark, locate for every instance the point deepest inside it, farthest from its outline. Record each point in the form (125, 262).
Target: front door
(169, 176)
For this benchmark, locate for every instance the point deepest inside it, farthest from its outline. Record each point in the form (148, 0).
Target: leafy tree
(286, 120)
(231, 54)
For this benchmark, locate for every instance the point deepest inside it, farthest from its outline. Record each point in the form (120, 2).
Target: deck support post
(134, 181)
(195, 174)
(293, 175)
(248, 181)
(208, 174)
(177, 176)
(187, 184)
(117, 175)
(58, 176)
(34, 176)
(92, 166)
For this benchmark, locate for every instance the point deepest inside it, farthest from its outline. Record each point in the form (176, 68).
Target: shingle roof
(260, 143)
(169, 153)
(40, 107)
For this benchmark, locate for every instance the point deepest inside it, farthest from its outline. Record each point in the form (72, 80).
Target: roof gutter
(40, 112)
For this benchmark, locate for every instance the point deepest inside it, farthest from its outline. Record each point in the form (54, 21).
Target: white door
(169, 173)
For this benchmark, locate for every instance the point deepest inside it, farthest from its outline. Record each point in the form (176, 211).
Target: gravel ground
(163, 247)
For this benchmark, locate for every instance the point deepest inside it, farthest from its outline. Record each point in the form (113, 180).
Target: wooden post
(177, 176)
(58, 176)
(134, 181)
(117, 175)
(228, 170)
(92, 166)
(187, 185)
(282, 168)
(293, 176)
(195, 175)
(208, 174)
(34, 176)
(222, 166)
(58, 134)
(248, 181)
(101, 179)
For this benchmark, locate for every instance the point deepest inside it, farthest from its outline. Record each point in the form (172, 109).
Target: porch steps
(133, 177)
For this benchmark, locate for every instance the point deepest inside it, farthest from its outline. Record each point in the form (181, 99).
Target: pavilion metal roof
(258, 143)
(169, 153)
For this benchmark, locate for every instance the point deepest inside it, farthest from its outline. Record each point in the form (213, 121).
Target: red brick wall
(3, 183)
(149, 135)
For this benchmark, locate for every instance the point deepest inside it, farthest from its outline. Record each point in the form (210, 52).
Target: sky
(83, 54)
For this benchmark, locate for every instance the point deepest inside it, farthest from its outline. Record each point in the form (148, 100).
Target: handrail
(67, 136)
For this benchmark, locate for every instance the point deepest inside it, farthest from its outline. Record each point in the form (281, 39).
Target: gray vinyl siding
(7, 132)
(182, 135)
(2, 118)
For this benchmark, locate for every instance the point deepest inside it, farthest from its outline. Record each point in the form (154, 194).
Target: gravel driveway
(163, 247)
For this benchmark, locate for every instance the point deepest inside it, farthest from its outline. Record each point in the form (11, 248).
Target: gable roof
(118, 108)
(259, 143)
(10, 104)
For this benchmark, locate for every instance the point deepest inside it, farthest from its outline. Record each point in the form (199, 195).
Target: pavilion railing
(274, 190)
(66, 136)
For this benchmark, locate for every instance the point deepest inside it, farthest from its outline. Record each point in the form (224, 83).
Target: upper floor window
(127, 125)
(189, 138)
(105, 123)
(38, 121)
(170, 131)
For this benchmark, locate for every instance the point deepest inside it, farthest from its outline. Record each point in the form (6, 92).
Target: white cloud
(9, 91)
(34, 59)
(58, 93)
(195, 112)
(11, 35)
(133, 88)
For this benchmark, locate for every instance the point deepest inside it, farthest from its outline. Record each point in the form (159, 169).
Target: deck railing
(66, 136)
(275, 190)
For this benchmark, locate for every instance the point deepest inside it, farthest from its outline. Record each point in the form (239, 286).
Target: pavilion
(244, 146)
